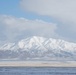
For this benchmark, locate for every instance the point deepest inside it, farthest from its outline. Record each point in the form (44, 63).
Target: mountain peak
(37, 37)
(40, 47)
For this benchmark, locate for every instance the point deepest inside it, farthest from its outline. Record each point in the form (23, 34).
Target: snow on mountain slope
(40, 48)
(32, 43)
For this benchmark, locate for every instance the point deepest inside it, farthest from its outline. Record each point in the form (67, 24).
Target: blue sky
(10, 7)
(23, 18)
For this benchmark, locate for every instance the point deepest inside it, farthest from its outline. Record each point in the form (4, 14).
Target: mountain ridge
(39, 48)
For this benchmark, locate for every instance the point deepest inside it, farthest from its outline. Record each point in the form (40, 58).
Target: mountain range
(38, 48)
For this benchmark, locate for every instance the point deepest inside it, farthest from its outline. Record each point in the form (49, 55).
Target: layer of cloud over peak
(61, 9)
(13, 28)
(64, 11)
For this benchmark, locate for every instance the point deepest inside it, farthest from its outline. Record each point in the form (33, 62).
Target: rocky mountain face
(38, 48)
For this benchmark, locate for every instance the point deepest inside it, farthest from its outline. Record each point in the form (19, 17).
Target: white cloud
(16, 28)
(63, 11)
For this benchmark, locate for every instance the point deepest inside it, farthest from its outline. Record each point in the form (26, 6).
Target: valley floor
(37, 64)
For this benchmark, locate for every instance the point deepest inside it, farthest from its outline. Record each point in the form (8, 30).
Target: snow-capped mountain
(39, 48)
